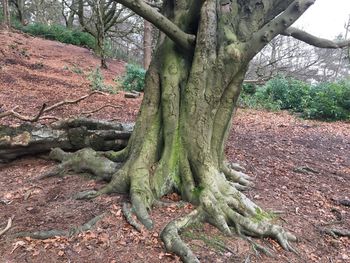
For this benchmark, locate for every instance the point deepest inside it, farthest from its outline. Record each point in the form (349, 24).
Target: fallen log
(69, 135)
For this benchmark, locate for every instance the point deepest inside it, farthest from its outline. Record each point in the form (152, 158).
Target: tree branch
(313, 40)
(45, 109)
(277, 26)
(149, 13)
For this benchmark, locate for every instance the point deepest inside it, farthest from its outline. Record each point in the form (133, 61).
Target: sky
(326, 18)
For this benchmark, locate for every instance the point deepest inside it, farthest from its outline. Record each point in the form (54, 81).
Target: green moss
(262, 215)
(230, 36)
(197, 191)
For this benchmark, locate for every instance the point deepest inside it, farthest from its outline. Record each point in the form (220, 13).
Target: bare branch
(313, 40)
(149, 13)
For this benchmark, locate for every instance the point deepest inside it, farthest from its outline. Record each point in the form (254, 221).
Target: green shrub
(291, 93)
(325, 101)
(134, 78)
(249, 88)
(329, 101)
(61, 34)
(258, 100)
(97, 82)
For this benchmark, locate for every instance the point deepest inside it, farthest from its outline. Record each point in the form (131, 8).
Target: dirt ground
(301, 168)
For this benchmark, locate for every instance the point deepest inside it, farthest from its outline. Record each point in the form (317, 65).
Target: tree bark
(6, 13)
(147, 44)
(70, 135)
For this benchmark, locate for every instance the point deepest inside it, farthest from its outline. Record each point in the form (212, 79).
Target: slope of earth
(301, 168)
(34, 71)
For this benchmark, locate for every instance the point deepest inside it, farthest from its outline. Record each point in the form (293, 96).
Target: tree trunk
(101, 34)
(147, 44)
(179, 137)
(70, 135)
(6, 13)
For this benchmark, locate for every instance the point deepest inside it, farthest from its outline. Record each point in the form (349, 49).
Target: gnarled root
(215, 191)
(85, 160)
(170, 235)
(222, 205)
(234, 173)
(56, 232)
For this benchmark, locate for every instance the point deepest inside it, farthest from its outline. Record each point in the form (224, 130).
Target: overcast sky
(326, 18)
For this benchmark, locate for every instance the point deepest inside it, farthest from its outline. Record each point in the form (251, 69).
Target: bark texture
(70, 135)
(6, 13)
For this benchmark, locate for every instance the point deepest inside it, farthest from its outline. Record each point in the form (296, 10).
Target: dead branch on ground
(45, 109)
(8, 226)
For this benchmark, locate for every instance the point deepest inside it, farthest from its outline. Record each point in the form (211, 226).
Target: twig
(45, 109)
(9, 224)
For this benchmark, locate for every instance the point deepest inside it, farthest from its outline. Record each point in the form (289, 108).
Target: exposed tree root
(55, 232)
(217, 196)
(259, 248)
(85, 160)
(8, 226)
(170, 235)
(334, 232)
(128, 216)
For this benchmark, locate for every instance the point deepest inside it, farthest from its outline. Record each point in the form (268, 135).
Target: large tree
(191, 90)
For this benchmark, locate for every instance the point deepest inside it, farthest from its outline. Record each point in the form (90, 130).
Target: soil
(301, 168)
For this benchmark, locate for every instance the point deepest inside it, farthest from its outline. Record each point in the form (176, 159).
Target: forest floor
(301, 168)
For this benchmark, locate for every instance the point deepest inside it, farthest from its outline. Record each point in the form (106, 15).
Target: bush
(326, 101)
(134, 78)
(291, 93)
(249, 89)
(258, 100)
(97, 82)
(329, 101)
(61, 34)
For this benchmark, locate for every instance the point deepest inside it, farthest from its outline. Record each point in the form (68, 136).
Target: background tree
(99, 17)
(6, 13)
(292, 58)
(20, 8)
(44, 11)
(68, 12)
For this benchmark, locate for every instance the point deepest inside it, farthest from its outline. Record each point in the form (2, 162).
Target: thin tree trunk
(6, 12)
(147, 44)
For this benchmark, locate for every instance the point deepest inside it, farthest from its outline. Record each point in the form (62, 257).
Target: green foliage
(329, 101)
(325, 101)
(259, 100)
(249, 89)
(97, 82)
(292, 94)
(134, 78)
(60, 33)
